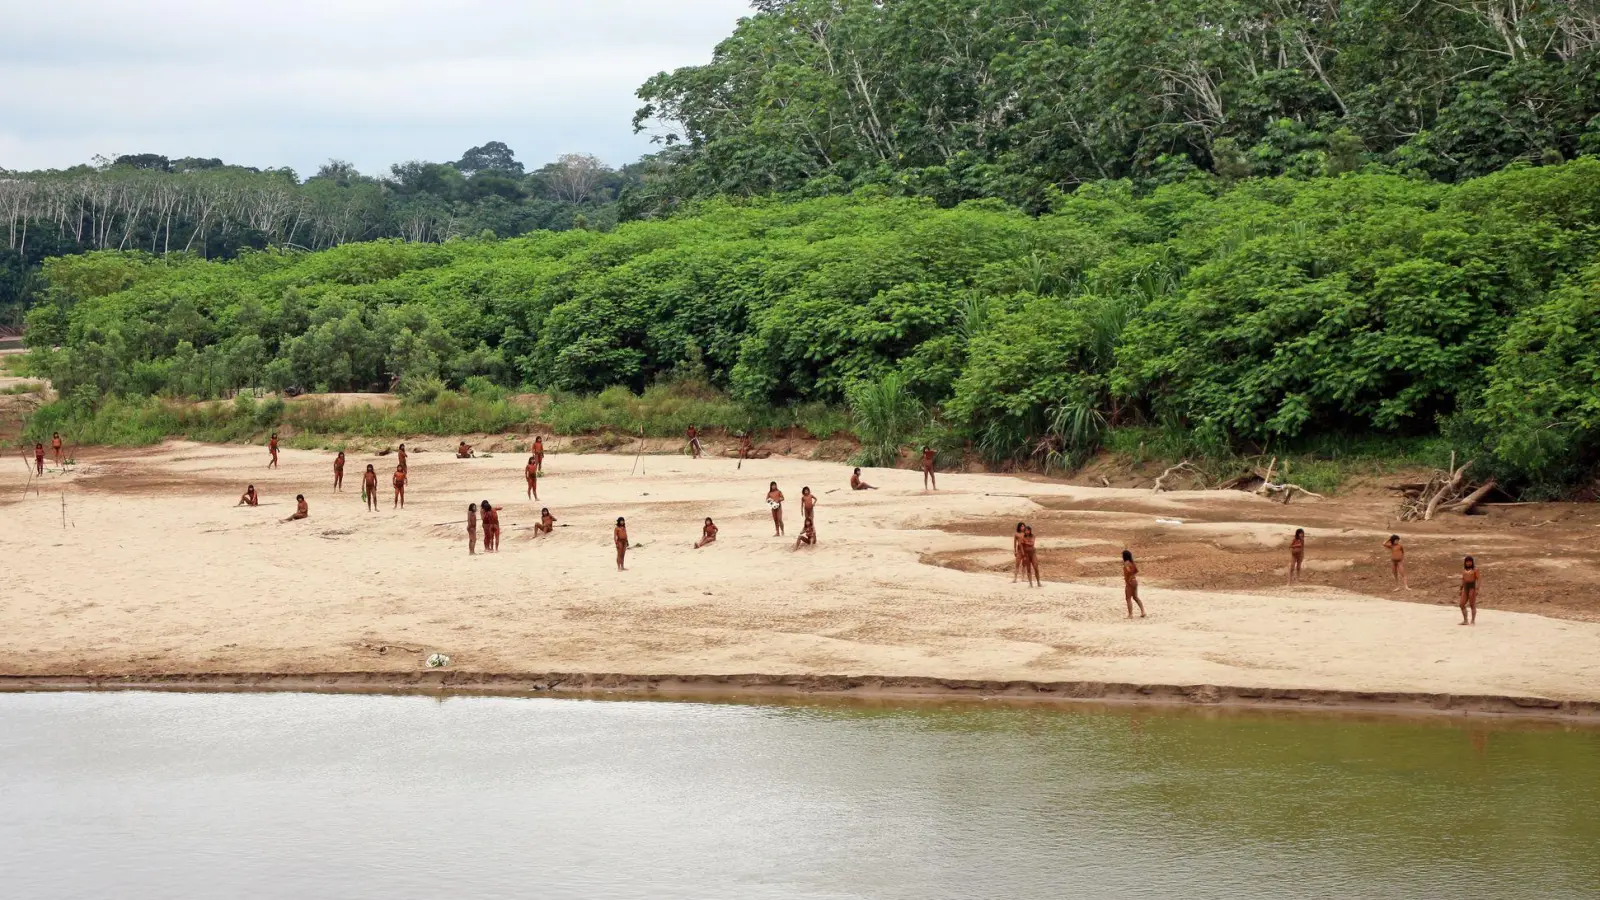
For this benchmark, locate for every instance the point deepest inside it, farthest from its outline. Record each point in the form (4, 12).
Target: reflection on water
(309, 796)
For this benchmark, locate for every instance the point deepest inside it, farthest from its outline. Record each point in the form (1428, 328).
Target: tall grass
(886, 415)
(668, 409)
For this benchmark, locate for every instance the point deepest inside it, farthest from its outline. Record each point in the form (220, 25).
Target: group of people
(57, 453)
(1025, 552)
(1466, 593)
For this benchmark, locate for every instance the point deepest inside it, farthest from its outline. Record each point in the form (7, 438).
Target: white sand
(164, 575)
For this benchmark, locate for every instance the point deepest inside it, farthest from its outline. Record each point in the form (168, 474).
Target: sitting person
(708, 534)
(249, 498)
(300, 509)
(547, 523)
(808, 536)
(464, 451)
(856, 484)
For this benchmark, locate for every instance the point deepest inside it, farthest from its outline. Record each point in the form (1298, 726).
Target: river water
(153, 795)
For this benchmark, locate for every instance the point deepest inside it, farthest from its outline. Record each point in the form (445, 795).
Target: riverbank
(136, 568)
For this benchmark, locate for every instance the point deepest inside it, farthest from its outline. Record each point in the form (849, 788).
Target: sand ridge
(157, 572)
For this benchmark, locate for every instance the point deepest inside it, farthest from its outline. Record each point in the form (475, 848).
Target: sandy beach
(138, 563)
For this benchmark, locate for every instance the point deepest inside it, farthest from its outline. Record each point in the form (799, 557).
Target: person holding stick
(694, 443)
(744, 448)
(538, 452)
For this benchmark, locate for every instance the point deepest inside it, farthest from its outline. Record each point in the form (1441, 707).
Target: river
(166, 795)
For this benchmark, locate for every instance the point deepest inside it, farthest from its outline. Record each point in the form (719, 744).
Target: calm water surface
(310, 796)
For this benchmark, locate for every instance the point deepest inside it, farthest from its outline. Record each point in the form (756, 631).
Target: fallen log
(1449, 490)
(1465, 505)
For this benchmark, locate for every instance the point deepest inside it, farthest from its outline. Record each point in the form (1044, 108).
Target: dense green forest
(1239, 223)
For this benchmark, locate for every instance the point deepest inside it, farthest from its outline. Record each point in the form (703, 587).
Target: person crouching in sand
(1297, 554)
(1130, 584)
(301, 511)
(547, 523)
(1469, 591)
(464, 451)
(808, 535)
(856, 484)
(472, 529)
(619, 536)
(1397, 561)
(249, 497)
(708, 534)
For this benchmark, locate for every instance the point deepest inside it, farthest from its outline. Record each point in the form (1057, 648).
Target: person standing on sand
(744, 448)
(399, 489)
(808, 503)
(56, 451)
(401, 455)
(272, 448)
(249, 497)
(531, 473)
(491, 526)
(619, 536)
(1469, 591)
(1030, 557)
(1016, 552)
(1397, 561)
(1297, 554)
(369, 488)
(472, 529)
(927, 469)
(775, 502)
(538, 452)
(708, 534)
(38, 458)
(301, 511)
(338, 471)
(1130, 584)
(856, 484)
(694, 443)
(547, 523)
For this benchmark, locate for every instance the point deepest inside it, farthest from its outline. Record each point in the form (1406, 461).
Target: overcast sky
(294, 82)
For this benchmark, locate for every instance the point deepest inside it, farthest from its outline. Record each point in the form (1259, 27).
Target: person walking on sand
(55, 450)
(249, 497)
(1016, 552)
(808, 503)
(538, 452)
(464, 451)
(399, 489)
(472, 529)
(272, 448)
(491, 526)
(619, 536)
(775, 502)
(300, 509)
(38, 458)
(1030, 558)
(694, 443)
(927, 469)
(338, 471)
(708, 534)
(1469, 591)
(369, 488)
(1397, 561)
(547, 523)
(1130, 584)
(856, 484)
(530, 473)
(808, 535)
(1297, 554)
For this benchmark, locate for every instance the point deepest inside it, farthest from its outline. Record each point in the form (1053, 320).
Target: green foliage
(886, 415)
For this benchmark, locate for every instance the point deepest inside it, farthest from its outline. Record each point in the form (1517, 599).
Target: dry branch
(1180, 467)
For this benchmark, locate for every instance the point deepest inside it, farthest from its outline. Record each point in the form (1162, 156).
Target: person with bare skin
(249, 497)
(338, 471)
(927, 469)
(775, 501)
(1469, 591)
(491, 526)
(56, 451)
(538, 452)
(1030, 558)
(744, 448)
(547, 523)
(1397, 561)
(272, 447)
(300, 509)
(808, 535)
(38, 458)
(1297, 554)
(1130, 584)
(399, 489)
(708, 534)
(472, 529)
(1016, 552)
(808, 503)
(619, 536)
(531, 473)
(856, 484)
(464, 451)
(694, 443)
(401, 454)
(369, 488)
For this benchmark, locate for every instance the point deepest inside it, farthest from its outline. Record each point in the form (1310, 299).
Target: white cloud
(296, 82)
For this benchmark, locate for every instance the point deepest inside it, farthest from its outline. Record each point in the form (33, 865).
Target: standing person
(856, 484)
(38, 458)
(56, 451)
(547, 523)
(249, 497)
(538, 452)
(775, 502)
(927, 469)
(1016, 552)
(399, 489)
(1397, 561)
(369, 488)
(1030, 559)
(472, 529)
(531, 473)
(619, 536)
(338, 471)
(708, 534)
(1130, 584)
(808, 503)
(300, 509)
(402, 457)
(1469, 591)
(808, 536)
(1297, 554)
(694, 443)
(491, 526)
(744, 448)
(272, 447)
